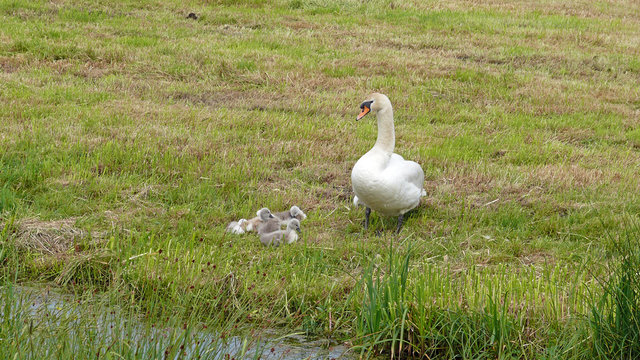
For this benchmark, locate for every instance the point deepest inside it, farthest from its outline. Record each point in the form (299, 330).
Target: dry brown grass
(55, 237)
(579, 8)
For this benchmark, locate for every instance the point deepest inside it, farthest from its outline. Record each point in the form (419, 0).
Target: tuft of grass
(7, 199)
(615, 318)
(383, 313)
(496, 315)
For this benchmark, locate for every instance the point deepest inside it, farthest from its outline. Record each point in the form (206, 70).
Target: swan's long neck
(386, 134)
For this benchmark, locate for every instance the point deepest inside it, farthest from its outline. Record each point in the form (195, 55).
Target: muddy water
(42, 303)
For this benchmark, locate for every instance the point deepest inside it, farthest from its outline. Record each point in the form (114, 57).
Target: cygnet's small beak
(299, 231)
(365, 111)
(271, 216)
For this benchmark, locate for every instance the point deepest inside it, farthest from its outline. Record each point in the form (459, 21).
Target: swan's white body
(381, 179)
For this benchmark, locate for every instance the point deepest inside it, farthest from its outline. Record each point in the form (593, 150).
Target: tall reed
(503, 312)
(615, 318)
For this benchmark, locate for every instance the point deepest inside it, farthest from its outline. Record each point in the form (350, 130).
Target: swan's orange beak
(365, 111)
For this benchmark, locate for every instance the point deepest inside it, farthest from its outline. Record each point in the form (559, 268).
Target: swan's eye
(365, 107)
(366, 104)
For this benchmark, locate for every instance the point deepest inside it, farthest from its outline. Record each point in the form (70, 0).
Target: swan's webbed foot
(367, 212)
(400, 221)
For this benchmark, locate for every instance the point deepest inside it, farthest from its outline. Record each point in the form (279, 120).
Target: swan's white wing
(409, 171)
(408, 178)
(394, 189)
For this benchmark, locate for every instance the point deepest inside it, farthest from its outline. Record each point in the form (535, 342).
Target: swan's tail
(357, 202)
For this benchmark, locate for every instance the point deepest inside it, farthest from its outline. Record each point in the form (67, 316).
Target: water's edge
(45, 303)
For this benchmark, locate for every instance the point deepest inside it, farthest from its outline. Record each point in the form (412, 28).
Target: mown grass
(131, 135)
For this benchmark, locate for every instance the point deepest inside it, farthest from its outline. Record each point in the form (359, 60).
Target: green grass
(130, 136)
(616, 317)
(502, 313)
(58, 328)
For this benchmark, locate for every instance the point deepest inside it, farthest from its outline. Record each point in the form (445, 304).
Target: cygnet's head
(264, 214)
(374, 102)
(295, 211)
(294, 224)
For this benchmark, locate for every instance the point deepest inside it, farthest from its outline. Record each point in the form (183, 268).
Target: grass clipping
(55, 237)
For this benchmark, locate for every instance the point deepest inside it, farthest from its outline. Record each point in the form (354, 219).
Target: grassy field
(130, 135)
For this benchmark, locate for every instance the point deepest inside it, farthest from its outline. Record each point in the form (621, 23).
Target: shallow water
(62, 310)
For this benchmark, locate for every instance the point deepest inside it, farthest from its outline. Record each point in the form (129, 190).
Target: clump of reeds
(557, 312)
(615, 318)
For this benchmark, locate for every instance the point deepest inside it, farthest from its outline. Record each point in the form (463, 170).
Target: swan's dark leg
(400, 220)
(366, 218)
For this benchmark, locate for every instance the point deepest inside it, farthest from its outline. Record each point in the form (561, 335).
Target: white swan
(382, 180)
